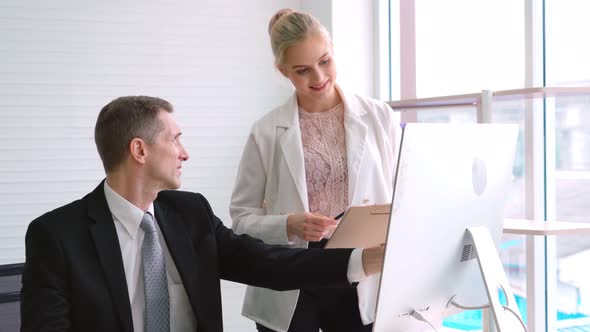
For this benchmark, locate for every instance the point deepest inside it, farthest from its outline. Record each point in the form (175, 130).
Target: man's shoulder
(63, 216)
(189, 206)
(182, 199)
(178, 194)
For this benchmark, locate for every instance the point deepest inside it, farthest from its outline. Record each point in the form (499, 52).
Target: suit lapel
(356, 136)
(108, 250)
(292, 147)
(293, 152)
(181, 250)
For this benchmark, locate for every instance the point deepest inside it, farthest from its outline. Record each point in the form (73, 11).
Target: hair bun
(276, 16)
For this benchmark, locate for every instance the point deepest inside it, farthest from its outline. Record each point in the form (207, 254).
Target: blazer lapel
(292, 147)
(356, 134)
(180, 248)
(108, 250)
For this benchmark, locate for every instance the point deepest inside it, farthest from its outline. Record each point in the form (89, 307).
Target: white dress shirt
(127, 218)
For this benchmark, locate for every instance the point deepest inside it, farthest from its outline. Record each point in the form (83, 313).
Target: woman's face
(310, 66)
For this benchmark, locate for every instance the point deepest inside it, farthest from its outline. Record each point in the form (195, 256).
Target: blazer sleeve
(247, 210)
(44, 304)
(244, 259)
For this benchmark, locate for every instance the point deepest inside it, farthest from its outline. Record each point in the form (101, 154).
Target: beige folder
(361, 227)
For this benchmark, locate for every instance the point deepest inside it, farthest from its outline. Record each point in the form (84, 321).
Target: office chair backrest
(10, 285)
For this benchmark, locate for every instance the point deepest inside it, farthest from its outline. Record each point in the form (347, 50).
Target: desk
(533, 227)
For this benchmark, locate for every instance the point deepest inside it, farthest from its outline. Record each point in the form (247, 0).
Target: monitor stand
(506, 318)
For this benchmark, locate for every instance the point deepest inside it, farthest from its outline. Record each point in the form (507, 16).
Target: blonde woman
(304, 163)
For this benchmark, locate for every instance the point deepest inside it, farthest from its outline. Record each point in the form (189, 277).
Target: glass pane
(447, 115)
(512, 111)
(462, 48)
(513, 247)
(572, 187)
(567, 55)
(567, 49)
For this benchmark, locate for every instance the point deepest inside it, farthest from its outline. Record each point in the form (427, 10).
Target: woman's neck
(316, 105)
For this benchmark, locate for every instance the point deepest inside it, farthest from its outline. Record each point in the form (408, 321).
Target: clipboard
(361, 227)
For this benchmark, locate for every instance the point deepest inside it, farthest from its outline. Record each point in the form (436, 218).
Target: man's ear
(137, 150)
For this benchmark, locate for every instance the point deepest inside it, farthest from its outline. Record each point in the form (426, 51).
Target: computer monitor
(450, 177)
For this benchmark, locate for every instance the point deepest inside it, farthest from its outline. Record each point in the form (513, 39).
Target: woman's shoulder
(369, 106)
(370, 103)
(269, 117)
(280, 115)
(373, 111)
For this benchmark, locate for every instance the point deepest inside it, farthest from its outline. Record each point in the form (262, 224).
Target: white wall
(355, 45)
(61, 61)
(353, 26)
(322, 10)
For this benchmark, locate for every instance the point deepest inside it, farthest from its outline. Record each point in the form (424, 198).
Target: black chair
(10, 285)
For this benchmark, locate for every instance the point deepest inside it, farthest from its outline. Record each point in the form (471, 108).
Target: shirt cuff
(355, 271)
(291, 239)
(272, 231)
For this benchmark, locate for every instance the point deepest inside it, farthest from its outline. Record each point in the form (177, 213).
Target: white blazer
(271, 184)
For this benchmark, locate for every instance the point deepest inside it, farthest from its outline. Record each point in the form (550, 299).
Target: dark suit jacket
(74, 277)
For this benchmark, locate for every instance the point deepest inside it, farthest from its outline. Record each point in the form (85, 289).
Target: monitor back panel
(449, 177)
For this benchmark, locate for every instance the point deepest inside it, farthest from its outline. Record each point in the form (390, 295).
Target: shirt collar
(123, 211)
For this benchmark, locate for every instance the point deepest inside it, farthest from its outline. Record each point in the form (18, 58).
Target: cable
(517, 316)
(506, 308)
(464, 307)
(505, 294)
(419, 317)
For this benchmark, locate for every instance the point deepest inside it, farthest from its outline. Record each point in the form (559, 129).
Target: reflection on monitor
(450, 177)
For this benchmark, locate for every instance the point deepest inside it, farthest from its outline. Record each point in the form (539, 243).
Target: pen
(340, 215)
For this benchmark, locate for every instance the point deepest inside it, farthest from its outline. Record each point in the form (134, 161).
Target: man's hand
(310, 226)
(373, 259)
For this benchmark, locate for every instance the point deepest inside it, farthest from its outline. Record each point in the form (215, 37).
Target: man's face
(165, 156)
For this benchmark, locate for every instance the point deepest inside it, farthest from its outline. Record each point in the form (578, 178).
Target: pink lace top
(324, 150)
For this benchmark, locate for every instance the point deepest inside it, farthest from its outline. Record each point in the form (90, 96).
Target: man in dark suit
(102, 263)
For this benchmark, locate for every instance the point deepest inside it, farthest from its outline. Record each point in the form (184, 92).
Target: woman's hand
(309, 226)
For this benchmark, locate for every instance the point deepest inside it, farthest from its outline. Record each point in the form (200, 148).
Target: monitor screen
(450, 177)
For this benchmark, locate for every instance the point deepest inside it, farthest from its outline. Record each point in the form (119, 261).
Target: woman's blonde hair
(288, 27)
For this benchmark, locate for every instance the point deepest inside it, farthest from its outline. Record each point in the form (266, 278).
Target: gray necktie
(157, 303)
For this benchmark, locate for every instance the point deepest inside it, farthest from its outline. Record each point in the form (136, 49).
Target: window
(463, 47)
